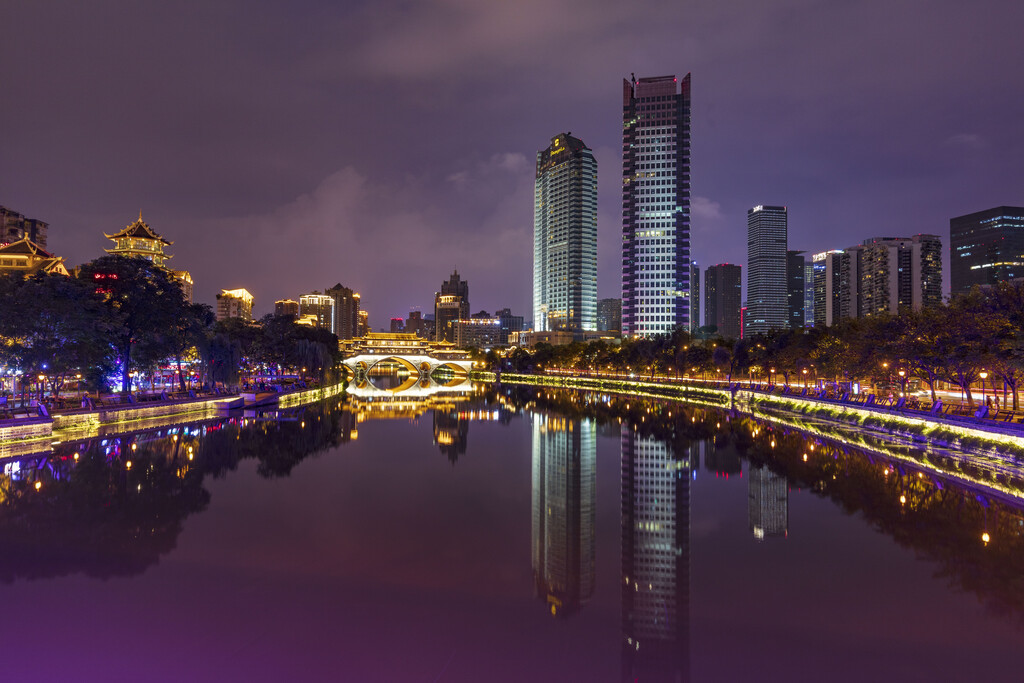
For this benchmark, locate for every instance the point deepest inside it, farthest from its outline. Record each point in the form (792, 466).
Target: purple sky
(285, 147)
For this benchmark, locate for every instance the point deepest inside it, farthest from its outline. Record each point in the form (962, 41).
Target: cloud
(967, 141)
(707, 214)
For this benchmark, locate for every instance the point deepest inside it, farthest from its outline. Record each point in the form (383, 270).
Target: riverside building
(722, 298)
(986, 247)
(565, 238)
(655, 205)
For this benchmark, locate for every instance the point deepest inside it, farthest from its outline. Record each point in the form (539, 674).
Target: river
(481, 533)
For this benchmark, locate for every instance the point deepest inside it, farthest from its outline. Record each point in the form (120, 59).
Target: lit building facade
(234, 303)
(287, 307)
(655, 205)
(565, 237)
(795, 288)
(27, 258)
(767, 292)
(723, 285)
(897, 273)
(346, 311)
(564, 475)
(808, 293)
(655, 513)
(609, 315)
(828, 286)
(450, 305)
(695, 289)
(321, 307)
(986, 247)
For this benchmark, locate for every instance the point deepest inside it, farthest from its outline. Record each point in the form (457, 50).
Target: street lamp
(903, 381)
(983, 374)
(805, 377)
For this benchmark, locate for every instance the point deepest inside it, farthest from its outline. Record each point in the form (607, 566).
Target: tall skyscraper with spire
(565, 237)
(655, 204)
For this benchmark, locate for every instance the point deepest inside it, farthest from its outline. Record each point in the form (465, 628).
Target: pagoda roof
(25, 246)
(138, 229)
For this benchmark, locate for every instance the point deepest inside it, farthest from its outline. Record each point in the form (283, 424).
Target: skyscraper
(808, 293)
(722, 297)
(321, 309)
(767, 293)
(896, 273)
(565, 237)
(14, 226)
(986, 247)
(655, 204)
(234, 303)
(450, 304)
(346, 311)
(795, 288)
(564, 509)
(828, 287)
(694, 296)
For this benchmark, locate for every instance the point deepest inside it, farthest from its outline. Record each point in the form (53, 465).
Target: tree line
(975, 336)
(120, 315)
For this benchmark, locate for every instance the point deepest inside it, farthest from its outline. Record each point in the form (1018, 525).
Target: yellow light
(805, 457)
(903, 500)
(128, 464)
(134, 446)
(984, 536)
(76, 456)
(39, 485)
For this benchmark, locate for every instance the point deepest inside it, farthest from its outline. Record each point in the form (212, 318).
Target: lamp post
(983, 374)
(903, 382)
(771, 378)
(805, 377)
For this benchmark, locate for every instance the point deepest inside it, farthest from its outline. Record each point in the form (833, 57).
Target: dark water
(520, 535)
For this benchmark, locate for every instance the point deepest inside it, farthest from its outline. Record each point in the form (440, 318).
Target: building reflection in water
(767, 503)
(655, 558)
(564, 489)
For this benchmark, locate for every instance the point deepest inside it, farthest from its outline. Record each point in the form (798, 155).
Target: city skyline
(177, 121)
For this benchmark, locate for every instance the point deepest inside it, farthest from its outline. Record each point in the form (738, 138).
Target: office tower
(397, 325)
(655, 205)
(722, 297)
(564, 473)
(363, 326)
(234, 303)
(986, 247)
(795, 288)
(450, 304)
(809, 293)
(767, 293)
(897, 273)
(767, 503)
(655, 495)
(346, 311)
(286, 307)
(609, 315)
(694, 296)
(565, 238)
(139, 240)
(318, 309)
(14, 227)
(828, 287)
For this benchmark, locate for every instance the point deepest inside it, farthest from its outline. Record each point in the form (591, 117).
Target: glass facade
(722, 297)
(986, 247)
(767, 291)
(655, 205)
(565, 238)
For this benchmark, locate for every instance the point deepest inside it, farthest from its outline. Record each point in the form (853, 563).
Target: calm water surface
(442, 534)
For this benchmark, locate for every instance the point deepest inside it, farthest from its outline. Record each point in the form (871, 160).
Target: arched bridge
(419, 356)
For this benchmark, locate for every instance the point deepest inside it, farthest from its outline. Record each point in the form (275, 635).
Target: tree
(146, 302)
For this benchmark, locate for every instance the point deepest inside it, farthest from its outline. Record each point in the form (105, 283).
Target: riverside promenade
(28, 429)
(923, 424)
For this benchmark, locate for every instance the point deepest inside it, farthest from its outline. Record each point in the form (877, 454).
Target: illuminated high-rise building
(609, 315)
(286, 307)
(655, 205)
(450, 305)
(767, 293)
(564, 490)
(655, 495)
(346, 311)
(234, 303)
(320, 307)
(565, 238)
(14, 227)
(795, 289)
(694, 296)
(986, 247)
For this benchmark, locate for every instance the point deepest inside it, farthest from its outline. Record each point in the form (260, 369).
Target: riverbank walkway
(982, 415)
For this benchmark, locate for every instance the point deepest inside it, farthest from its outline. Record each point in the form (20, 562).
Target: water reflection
(768, 503)
(655, 557)
(564, 473)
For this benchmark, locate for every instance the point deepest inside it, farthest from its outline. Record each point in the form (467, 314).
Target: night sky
(286, 147)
